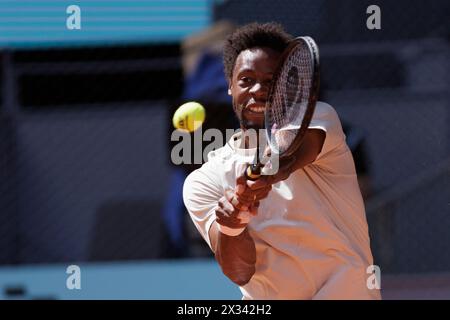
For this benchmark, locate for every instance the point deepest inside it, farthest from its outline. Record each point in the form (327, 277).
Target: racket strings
(290, 100)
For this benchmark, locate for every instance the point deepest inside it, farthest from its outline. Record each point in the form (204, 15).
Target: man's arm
(230, 240)
(222, 223)
(235, 255)
(235, 252)
(312, 146)
(306, 154)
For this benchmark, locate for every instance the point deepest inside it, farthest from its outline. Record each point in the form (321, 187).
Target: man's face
(250, 83)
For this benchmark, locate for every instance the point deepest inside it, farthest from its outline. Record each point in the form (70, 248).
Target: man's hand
(246, 196)
(249, 192)
(233, 214)
(236, 208)
(310, 149)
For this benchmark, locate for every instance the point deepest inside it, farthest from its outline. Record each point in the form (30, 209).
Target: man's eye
(246, 80)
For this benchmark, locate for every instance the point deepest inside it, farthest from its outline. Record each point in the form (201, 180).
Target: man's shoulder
(220, 162)
(213, 166)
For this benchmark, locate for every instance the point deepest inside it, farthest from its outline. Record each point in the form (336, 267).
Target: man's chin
(251, 124)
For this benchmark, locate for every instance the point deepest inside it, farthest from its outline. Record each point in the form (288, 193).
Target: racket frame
(254, 170)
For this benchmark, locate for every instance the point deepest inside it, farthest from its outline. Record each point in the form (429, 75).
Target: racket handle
(253, 172)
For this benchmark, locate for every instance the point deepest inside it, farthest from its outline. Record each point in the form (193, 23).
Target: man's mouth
(256, 107)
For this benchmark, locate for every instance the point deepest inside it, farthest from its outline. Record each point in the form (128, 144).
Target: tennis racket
(291, 101)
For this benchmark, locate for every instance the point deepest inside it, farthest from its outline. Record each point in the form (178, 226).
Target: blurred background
(86, 176)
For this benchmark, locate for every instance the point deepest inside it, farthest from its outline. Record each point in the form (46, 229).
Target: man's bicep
(314, 139)
(311, 147)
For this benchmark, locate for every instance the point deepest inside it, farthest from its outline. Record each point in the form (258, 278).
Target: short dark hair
(271, 35)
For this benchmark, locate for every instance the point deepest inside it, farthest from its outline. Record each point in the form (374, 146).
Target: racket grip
(253, 172)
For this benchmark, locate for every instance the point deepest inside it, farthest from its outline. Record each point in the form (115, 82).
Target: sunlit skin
(250, 83)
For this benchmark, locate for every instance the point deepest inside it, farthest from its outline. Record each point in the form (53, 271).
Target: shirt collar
(236, 143)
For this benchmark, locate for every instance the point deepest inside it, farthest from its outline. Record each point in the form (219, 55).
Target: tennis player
(300, 233)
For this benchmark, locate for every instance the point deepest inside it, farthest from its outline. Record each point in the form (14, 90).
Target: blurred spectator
(205, 83)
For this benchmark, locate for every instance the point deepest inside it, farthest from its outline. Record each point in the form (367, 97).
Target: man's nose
(259, 90)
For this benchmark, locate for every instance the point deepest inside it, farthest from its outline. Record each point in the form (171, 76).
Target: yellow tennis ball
(189, 116)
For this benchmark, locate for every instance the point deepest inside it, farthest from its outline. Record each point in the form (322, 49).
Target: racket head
(292, 96)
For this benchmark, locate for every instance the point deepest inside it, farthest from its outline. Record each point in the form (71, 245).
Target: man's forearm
(310, 149)
(235, 255)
